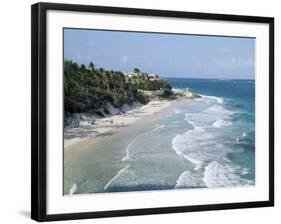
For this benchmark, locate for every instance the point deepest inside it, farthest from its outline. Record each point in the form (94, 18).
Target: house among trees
(152, 77)
(131, 74)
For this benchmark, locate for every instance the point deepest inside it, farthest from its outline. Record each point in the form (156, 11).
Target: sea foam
(221, 123)
(201, 144)
(198, 146)
(219, 174)
(218, 99)
(116, 176)
(189, 179)
(73, 189)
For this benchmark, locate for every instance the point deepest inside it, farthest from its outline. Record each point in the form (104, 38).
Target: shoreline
(129, 115)
(89, 134)
(96, 147)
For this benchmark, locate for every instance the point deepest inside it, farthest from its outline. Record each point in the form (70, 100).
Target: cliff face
(74, 120)
(81, 119)
(153, 93)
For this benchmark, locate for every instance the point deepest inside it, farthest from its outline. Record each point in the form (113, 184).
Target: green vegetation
(88, 88)
(136, 70)
(146, 84)
(169, 94)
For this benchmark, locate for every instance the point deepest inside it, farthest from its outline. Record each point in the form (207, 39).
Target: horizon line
(168, 77)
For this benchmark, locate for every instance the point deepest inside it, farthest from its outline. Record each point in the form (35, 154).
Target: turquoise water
(223, 133)
(209, 142)
(206, 142)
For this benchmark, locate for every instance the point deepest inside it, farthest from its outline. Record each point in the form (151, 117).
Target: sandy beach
(86, 134)
(88, 145)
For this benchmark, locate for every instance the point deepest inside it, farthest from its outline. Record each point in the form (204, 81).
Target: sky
(168, 55)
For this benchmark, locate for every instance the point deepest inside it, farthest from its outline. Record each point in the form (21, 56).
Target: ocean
(221, 142)
(203, 143)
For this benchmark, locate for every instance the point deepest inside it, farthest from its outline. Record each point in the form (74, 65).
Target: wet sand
(103, 153)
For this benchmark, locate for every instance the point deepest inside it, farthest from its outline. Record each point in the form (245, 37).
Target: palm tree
(92, 66)
(136, 70)
(83, 68)
(106, 80)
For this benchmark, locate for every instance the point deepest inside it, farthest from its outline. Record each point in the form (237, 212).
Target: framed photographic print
(139, 111)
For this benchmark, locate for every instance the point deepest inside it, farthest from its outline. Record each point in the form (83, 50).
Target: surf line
(116, 176)
(137, 138)
(127, 156)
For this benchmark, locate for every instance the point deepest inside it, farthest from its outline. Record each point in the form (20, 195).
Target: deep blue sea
(222, 138)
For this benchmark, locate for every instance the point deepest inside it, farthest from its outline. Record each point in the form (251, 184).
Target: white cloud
(234, 62)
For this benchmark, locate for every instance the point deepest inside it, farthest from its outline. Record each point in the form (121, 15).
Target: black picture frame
(39, 122)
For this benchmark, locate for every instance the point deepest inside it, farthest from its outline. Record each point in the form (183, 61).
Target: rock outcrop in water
(187, 95)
